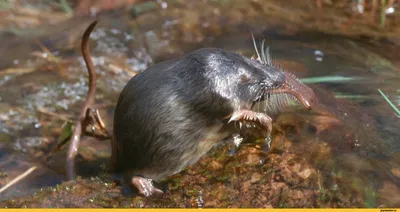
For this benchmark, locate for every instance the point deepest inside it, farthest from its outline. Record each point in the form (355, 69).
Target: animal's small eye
(276, 84)
(244, 78)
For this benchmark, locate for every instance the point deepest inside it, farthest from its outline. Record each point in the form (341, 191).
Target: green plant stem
(395, 109)
(329, 79)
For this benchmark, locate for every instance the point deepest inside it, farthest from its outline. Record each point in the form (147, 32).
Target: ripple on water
(56, 95)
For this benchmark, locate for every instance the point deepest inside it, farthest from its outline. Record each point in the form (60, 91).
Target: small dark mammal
(170, 115)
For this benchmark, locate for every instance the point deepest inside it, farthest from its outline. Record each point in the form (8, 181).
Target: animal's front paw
(251, 118)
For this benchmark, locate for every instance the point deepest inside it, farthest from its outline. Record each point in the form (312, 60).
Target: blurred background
(344, 153)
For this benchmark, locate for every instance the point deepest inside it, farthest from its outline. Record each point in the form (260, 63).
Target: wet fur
(168, 116)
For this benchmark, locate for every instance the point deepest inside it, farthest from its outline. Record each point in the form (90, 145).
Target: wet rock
(305, 173)
(325, 121)
(255, 177)
(278, 144)
(396, 172)
(296, 194)
(215, 165)
(388, 196)
(245, 186)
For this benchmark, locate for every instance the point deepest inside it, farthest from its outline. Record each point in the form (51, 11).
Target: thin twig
(17, 179)
(76, 135)
(100, 122)
(50, 56)
(17, 71)
(49, 113)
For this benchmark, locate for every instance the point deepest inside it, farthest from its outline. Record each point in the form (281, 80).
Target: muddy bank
(227, 177)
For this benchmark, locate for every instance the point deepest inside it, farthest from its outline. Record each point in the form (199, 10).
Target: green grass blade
(65, 6)
(350, 96)
(329, 79)
(395, 109)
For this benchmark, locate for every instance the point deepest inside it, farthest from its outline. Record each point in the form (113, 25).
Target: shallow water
(351, 137)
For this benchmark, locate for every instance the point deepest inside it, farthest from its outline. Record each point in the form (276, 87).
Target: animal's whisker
(256, 96)
(275, 102)
(255, 45)
(259, 97)
(263, 58)
(268, 54)
(258, 104)
(259, 100)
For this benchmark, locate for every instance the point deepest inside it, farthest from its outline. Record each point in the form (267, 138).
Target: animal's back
(136, 116)
(160, 120)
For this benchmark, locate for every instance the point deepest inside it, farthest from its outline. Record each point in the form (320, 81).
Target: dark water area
(348, 145)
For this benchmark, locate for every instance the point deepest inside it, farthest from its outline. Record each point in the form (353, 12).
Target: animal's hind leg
(145, 186)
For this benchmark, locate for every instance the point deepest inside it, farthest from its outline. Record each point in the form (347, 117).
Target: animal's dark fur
(168, 116)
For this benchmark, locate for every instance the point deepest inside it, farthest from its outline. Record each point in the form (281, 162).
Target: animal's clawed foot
(145, 186)
(261, 119)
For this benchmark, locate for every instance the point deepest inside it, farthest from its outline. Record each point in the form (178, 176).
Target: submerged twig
(16, 71)
(52, 58)
(76, 135)
(53, 114)
(394, 108)
(50, 55)
(17, 179)
(92, 117)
